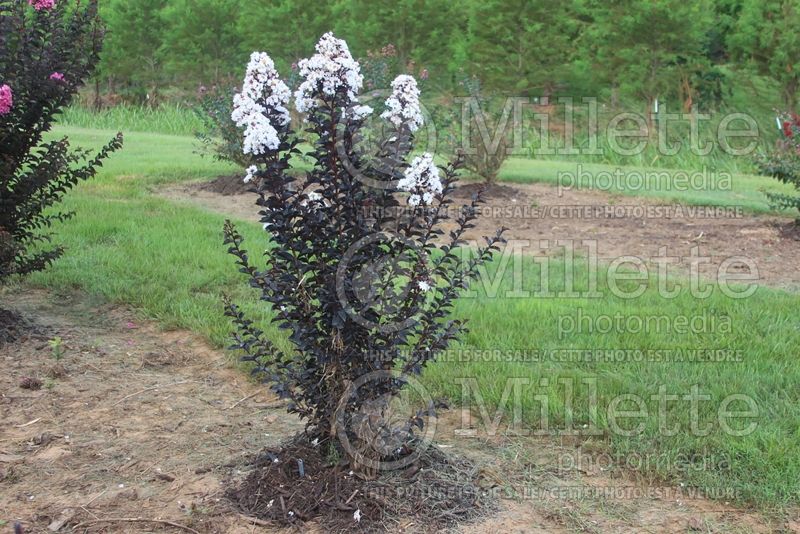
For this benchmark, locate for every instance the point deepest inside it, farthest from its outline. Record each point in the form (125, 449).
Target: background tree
(424, 32)
(522, 47)
(202, 43)
(288, 28)
(624, 51)
(646, 50)
(133, 54)
(766, 36)
(726, 15)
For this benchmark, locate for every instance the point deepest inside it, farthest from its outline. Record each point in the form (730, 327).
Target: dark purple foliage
(46, 53)
(363, 283)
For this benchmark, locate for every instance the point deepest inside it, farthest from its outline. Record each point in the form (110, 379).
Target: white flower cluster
(330, 69)
(251, 172)
(402, 106)
(359, 112)
(313, 199)
(421, 179)
(264, 96)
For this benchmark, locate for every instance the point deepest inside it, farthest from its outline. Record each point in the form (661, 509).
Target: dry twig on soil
(123, 399)
(135, 520)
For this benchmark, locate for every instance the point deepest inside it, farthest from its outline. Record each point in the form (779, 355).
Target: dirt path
(620, 226)
(136, 423)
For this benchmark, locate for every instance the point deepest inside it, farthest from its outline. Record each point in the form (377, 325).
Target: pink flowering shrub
(39, 5)
(6, 99)
(360, 271)
(40, 49)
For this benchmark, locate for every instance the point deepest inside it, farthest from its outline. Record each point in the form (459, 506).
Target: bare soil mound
(491, 192)
(227, 185)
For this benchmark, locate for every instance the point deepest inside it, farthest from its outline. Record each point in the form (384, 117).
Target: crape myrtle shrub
(220, 138)
(353, 271)
(47, 49)
(783, 162)
(473, 128)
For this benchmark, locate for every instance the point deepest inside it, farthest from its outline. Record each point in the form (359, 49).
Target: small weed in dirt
(56, 348)
(297, 483)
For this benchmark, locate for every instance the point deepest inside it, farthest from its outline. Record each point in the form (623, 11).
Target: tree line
(617, 50)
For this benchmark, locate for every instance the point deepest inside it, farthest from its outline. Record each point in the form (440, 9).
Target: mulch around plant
(493, 191)
(15, 327)
(227, 185)
(437, 492)
(789, 230)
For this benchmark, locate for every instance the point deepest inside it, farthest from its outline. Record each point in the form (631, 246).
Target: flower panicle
(330, 70)
(422, 180)
(6, 99)
(40, 5)
(260, 108)
(403, 106)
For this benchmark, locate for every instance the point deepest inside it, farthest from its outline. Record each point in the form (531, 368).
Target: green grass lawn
(168, 261)
(733, 189)
(169, 119)
(727, 186)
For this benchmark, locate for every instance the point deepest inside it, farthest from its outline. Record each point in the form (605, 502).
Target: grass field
(167, 260)
(168, 119)
(723, 179)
